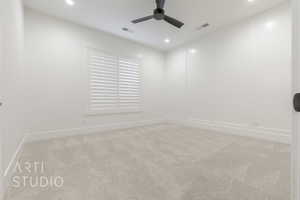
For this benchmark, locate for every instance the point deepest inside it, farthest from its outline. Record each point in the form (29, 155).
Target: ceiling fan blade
(160, 3)
(173, 21)
(142, 19)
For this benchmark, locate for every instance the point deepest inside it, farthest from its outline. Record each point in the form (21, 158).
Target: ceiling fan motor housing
(159, 14)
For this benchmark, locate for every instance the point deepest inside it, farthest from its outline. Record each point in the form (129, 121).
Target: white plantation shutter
(114, 83)
(129, 84)
(103, 81)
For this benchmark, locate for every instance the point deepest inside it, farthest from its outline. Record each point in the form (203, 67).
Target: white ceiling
(112, 15)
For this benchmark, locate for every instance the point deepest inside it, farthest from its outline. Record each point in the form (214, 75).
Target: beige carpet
(161, 162)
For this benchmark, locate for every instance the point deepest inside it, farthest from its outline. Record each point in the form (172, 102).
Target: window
(114, 83)
(129, 84)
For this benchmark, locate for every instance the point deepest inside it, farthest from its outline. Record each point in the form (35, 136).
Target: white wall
(240, 75)
(11, 68)
(56, 77)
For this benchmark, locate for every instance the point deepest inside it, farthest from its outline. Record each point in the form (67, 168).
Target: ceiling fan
(159, 14)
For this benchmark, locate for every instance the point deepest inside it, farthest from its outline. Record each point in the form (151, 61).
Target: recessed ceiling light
(167, 40)
(70, 2)
(270, 25)
(251, 1)
(193, 51)
(140, 56)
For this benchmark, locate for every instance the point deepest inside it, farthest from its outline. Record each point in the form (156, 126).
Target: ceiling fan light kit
(159, 14)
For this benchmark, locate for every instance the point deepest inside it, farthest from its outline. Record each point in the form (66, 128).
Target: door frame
(295, 149)
(1, 96)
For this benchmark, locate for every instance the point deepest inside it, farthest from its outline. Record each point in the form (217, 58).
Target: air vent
(203, 26)
(127, 30)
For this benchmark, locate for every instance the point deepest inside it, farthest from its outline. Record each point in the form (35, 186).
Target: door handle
(297, 102)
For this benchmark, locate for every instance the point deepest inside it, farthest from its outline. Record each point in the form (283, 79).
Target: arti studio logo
(32, 174)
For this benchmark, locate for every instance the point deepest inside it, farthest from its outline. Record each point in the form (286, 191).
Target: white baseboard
(270, 134)
(88, 130)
